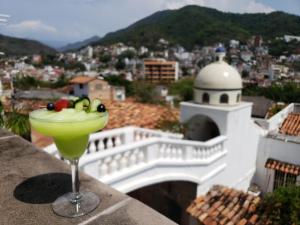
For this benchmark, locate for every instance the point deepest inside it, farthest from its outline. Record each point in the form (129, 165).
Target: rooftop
(285, 167)
(226, 206)
(131, 113)
(26, 193)
(82, 80)
(291, 125)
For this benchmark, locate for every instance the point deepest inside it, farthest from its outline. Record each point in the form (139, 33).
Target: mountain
(195, 25)
(18, 46)
(80, 44)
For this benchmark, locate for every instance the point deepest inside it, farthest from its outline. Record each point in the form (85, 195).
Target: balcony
(31, 179)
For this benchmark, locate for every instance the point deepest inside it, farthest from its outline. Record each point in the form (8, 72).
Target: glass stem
(75, 181)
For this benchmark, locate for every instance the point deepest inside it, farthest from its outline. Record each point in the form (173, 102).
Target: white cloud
(254, 6)
(31, 26)
(249, 6)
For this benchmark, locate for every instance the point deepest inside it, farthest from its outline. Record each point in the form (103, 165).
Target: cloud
(31, 26)
(249, 6)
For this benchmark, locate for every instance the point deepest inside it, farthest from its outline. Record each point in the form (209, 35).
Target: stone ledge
(30, 180)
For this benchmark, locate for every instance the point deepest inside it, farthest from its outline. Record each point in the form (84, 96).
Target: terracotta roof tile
(282, 166)
(291, 125)
(226, 206)
(131, 113)
(82, 80)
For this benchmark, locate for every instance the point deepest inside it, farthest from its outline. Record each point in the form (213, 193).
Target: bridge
(130, 158)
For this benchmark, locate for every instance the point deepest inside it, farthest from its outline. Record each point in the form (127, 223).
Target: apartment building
(160, 70)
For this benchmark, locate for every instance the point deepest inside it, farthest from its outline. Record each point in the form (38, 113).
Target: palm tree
(18, 124)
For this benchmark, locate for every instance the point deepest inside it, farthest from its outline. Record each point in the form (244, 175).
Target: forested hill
(195, 25)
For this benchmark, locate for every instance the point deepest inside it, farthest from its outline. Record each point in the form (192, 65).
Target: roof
(218, 76)
(285, 167)
(261, 105)
(226, 206)
(291, 125)
(131, 113)
(82, 79)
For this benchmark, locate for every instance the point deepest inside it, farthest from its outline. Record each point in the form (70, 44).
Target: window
(238, 98)
(284, 179)
(205, 98)
(224, 98)
(81, 86)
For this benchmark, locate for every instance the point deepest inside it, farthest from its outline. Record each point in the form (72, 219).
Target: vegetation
(15, 122)
(145, 92)
(280, 47)
(195, 25)
(183, 88)
(18, 46)
(18, 124)
(52, 60)
(283, 206)
(120, 81)
(28, 82)
(285, 92)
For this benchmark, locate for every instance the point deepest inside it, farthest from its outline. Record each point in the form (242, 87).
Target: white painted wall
(214, 96)
(277, 149)
(243, 136)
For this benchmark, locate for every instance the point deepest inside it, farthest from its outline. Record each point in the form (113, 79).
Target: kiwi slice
(94, 105)
(82, 104)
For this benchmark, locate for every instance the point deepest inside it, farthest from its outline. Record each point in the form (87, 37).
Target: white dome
(218, 76)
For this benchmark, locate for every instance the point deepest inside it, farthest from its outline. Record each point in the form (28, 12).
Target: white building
(222, 144)
(288, 38)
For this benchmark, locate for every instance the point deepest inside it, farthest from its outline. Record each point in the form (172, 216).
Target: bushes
(287, 92)
(282, 206)
(184, 89)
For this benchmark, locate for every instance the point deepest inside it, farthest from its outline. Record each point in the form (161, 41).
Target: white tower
(217, 110)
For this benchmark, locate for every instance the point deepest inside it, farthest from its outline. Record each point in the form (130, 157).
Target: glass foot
(64, 207)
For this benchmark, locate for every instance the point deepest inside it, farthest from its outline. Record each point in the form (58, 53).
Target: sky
(58, 22)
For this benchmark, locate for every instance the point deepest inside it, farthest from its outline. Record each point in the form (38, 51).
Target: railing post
(128, 136)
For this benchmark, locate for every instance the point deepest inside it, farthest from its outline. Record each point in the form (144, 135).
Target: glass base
(63, 206)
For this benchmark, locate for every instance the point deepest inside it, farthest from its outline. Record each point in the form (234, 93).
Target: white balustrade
(121, 159)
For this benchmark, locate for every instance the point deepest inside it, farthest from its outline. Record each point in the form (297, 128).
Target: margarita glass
(70, 130)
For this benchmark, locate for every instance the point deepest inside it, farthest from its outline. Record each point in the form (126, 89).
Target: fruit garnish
(94, 105)
(50, 106)
(101, 108)
(61, 104)
(82, 104)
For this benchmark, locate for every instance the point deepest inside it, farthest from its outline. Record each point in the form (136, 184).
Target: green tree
(105, 58)
(120, 65)
(184, 88)
(18, 124)
(145, 92)
(282, 206)
(120, 81)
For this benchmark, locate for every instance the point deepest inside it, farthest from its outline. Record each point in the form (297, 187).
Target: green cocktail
(70, 129)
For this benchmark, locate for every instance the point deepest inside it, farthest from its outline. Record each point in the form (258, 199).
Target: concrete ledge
(30, 180)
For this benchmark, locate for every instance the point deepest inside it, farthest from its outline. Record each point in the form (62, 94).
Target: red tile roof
(291, 125)
(131, 113)
(283, 166)
(226, 206)
(82, 80)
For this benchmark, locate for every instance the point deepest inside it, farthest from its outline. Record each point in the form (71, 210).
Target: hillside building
(161, 71)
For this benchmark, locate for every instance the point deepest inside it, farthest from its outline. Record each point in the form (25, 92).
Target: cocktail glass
(71, 138)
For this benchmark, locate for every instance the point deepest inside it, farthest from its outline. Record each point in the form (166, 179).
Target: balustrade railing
(150, 152)
(117, 137)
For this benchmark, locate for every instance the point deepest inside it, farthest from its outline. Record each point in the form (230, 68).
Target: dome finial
(220, 52)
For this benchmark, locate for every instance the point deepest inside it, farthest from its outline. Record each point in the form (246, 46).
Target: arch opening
(201, 128)
(224, 98)
(238, 98)
(205, 98)
(168, 198)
